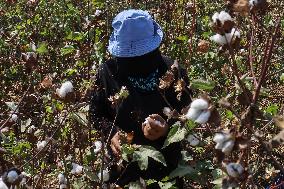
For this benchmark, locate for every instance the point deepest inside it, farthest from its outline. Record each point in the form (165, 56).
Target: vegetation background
(44, 43)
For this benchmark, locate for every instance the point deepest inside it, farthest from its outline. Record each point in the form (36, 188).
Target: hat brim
(136, 48)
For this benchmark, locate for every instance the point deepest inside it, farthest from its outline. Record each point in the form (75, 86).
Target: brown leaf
(215, 118)
(46, 82)
(241, 6)
(277, 140)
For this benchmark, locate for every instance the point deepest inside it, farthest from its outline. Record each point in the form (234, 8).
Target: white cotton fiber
(192, 114)
(199, 104)
(65, 88)
(203, 117)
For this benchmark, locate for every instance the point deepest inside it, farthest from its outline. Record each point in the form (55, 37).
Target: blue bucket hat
(135, 34)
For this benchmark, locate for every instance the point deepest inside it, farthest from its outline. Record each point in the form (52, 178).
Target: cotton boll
(3, 185)
(220, 138)
(12, 176)
(41, 144)
(105, 175)
(219, 146)
(76, 169)
(199, 104)
(203, 117)
(98, 12)
(157, 122)
(234, 169)
(167, 111)
(253, 2)
(192, 114)
(62, 186)
(224, 16)
(98, 146)
(14, 117)
(62, 179)
(193, 141)
(215, 17)
(228, 146)
(65, 88)
(219, 39)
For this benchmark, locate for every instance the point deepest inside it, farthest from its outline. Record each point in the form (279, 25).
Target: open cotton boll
(192, 114)
(105, 175)
(199, 104)
(98, 12)
(62, 179)
(76, 169)
(253, 2)
(224, 16)
(3, 185)
(98, 146)
(230, 36)
(219, 39)
(234, 169)
(203, 117)
(167, 111)
(62, 186)
(12, 176)
(157, 122)
(14, 117)
(65, 88)
(220, 138)
(193, 141)
(219, 146)
(215, 17)
(228, 146)
(41, 144)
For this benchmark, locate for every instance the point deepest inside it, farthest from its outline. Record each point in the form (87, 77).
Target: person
(137, 64)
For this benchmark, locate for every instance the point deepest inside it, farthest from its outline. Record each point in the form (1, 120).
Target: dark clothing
(139, 75)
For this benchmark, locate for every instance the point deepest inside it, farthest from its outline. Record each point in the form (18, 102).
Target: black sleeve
(101, 115)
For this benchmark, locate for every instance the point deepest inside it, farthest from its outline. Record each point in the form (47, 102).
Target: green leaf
(42, 48)
(203, 84)
(182, 38)
(190, 124)
(176, 134)
(68, 49)
(282, 77)
(126, 150)
(272, 109)
(181, 171)
(11, 105)
(167, 185)
(144, 152)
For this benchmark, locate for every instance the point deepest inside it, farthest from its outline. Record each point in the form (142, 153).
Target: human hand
(154, 127)
(115, 144)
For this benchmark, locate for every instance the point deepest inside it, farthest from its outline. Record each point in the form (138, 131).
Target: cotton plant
(199, 111)
(225, 142)
(226, 33)
(234, 169)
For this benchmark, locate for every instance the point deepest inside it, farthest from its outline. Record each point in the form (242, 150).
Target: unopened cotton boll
(41, 144)
(193, 141)
(203, 117)
(98, 146)
(234, 169)
(65, 88)
(199, 104)
(3, 185)
(76, 169)
(12, 176)
(105, 175)
(193, 113)
(228, 146)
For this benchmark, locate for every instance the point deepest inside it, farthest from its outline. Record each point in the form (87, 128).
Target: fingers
(115, 144)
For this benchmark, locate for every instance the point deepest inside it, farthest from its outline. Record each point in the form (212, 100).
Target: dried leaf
(203, 46)
(279, 121)
(166, 80)
(46, 82)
